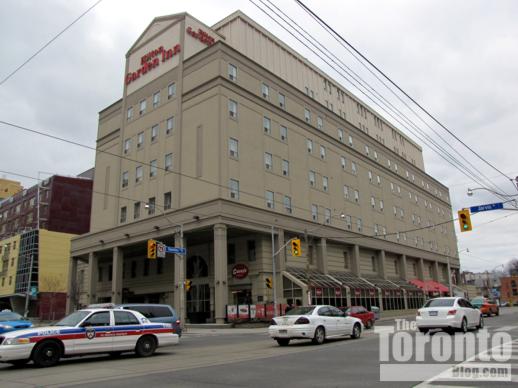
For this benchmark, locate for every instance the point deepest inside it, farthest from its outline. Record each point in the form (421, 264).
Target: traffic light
(187, 285)
(464, 220)
(295, 247)
(151, 249)
(269, 283)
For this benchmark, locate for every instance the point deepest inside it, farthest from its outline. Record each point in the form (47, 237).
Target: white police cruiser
(86, 332)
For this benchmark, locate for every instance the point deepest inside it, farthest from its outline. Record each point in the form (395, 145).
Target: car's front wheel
(146, 346)
(283, 341)
(464, 325)
(357, 331)
(480, 322)
(46, 353)
(320, 336)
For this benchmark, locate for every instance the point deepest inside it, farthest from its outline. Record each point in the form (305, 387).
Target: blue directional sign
(178, 251)
(485, 208)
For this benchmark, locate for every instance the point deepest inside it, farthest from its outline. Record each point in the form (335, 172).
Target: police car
(85, 332)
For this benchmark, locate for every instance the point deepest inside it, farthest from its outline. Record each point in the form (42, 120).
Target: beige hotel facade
(224, 134)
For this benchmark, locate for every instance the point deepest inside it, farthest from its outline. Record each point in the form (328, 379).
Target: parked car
(162, 313)
(85, 332)
(367, 317)
(316, 323)
(10, 321)
(487, 306)
(449, 314)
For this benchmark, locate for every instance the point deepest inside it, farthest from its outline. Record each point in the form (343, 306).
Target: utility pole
(274, 274)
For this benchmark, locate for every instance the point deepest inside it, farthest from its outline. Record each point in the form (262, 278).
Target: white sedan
(316, 323)
(449, 314)
(86, 332)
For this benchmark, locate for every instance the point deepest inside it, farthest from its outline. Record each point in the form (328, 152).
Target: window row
(149, 207)
(153, 170)
(155, 131)
(142, 105)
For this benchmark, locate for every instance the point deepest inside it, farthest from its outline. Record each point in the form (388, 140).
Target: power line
(48, 43)
(455, 163)
(315, 16)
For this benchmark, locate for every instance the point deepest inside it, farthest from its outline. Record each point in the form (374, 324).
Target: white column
(118, 260)
(220, 272)
(92, 274)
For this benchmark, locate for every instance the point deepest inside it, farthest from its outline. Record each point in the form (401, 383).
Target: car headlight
(6, 327)
(17, 341)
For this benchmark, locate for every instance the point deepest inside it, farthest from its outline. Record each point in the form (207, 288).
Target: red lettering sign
(372, 292)
(201, 35)
(151, 61)
(357, 292)
(338, 292)
(240, 271)
(318, 292)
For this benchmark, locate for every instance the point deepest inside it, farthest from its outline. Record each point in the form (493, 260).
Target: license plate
(283, 331)
(432, 313)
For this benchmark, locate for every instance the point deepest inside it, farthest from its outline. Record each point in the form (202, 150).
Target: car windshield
(439, 303)
(301, 310)
(10, 316)
(73, 319)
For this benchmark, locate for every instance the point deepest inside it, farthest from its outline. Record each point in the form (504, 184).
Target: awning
(383, 283)
(430, 286)
(438, 286)
(313, 278)
(406, 285)
(352, 281)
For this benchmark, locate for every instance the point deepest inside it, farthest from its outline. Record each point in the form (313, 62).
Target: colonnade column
(117, 267)
(220, 272)
(93, 278)
(72, 294)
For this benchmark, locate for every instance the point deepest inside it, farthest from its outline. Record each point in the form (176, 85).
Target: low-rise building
(509, 290)
(9, 188)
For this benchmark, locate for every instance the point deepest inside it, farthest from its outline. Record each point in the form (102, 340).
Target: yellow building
(9, 188)
(35, 263)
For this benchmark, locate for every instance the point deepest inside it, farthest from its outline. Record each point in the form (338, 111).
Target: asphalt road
(241, 358)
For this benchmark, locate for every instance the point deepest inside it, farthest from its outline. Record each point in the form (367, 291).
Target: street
(239, 357)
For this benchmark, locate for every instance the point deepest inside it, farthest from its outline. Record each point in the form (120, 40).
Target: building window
(125, 179)
(265, 90)
(124, 213)
(129, 113)
(375, 155)
(346, 259)
(250, 247)
(231, 253)
(367, 150)
(154, 132)
(287, 204)
(136, 210)
(320, 123)
(232, 109)
(146, 268)
(354, 169)
(127, 145)
(348, 222)
(285, 168)
(346, 192)
(388, 163)
(373, 202)
(168, 162)
(267, 125)
(343, 162)
(284, 133)
(309, 144)
(312, 178)
(169, 125)
(167, 200)
(356, 196)
(142, 106)
(381, 205)
(370, 176)
(325, 183)
(378, 180)
(359, 224)
(232, 72)
(268, 161)
(139, 173)
(156, 99)
(307, 115)
(340, 134)
(269, 199)
(327, 216)
(233, 148)
(171, 91)
(140, 139)
(282, 101)
(314, 212)
(322, 152)
(350, 141)
(374, 264)
(151, 206)
(376, 231)
(234, 188)
(153, 168)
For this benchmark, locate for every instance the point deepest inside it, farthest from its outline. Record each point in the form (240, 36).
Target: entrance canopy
(430, 286)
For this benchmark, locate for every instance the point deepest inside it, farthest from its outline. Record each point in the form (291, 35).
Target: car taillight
(452, 312)
(302, 321)
(178, 322)
(272, 322)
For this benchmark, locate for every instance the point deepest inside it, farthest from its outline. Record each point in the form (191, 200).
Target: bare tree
(511, 267)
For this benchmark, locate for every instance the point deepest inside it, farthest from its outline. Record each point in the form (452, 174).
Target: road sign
(178, 251)
(485, 208)
(160, 250)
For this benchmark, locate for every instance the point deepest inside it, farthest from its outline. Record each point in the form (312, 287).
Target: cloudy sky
(457, 58)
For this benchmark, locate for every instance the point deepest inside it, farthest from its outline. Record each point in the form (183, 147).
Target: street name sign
(178, 251)
(485, 208)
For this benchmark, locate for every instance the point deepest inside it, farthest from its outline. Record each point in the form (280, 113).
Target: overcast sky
(457, 58)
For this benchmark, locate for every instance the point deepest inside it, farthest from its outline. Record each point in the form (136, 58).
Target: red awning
(430, 285)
